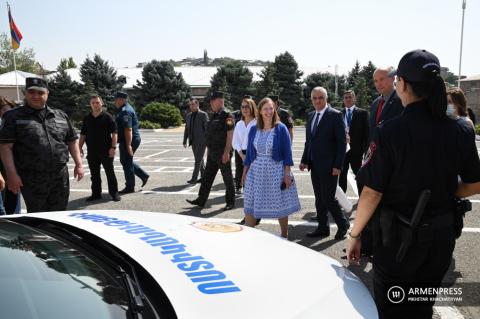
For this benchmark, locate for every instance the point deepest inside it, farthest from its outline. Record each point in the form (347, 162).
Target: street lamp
(464, 4)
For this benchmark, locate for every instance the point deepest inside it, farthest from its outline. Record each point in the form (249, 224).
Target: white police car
(129, 264)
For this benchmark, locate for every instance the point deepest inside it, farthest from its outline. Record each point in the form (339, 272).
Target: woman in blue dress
(269, 186)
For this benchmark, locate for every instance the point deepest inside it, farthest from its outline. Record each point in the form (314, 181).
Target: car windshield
(41, 277)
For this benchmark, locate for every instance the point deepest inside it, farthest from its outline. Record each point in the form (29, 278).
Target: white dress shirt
(240, 135)
(352, 108)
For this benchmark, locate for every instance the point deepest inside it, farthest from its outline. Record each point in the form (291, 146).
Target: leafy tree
(235, 80)
(160, 83)
(326, 80)
(162, 113)
(287, 75)
(25, 58)
(362, 93)
(102, 77)
(267, 85)
(66, 63)
(65, 94)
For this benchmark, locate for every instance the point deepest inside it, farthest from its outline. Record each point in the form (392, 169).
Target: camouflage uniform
(40, 152)
(216, 135)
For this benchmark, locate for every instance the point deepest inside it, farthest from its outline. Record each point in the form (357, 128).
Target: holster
(461, 207)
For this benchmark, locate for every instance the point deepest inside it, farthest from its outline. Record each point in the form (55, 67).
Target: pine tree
(367, 73)
(234, 79)
(353, 76)
(66, 64)
(65, 95)
(103, 78)
(205, 58)
(267, 85)
(160, 83)
(288, 76)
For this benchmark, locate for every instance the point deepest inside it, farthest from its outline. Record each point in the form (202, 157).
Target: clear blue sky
(317, 32)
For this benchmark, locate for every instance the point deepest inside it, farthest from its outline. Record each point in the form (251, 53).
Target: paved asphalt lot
(170, 165)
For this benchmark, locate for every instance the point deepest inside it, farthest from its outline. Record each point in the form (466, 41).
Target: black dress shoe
(319, 233)
(127, 191)
(93, 197)
(314, 218)
(192, 181)
(195, 202)
(145, 180)
(228, 207)
(342, 231)
(242, 222)
(199, 181)
(116, 197)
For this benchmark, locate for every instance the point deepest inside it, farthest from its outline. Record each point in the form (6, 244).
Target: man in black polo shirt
(99, 130)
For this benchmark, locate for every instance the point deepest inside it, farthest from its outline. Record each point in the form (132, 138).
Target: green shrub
(148, 125)
(161, 113)
(477, 129)
(299, 122)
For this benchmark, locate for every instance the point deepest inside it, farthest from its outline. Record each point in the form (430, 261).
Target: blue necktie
(315, 121)
(349, 117)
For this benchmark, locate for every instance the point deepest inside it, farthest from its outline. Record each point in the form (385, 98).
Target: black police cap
(36, 84)
(417, 66)
(217, 95)
(121, 95)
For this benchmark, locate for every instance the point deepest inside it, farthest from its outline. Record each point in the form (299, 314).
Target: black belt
(427, 226)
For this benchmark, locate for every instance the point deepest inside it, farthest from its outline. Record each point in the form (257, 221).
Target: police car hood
(211, 269)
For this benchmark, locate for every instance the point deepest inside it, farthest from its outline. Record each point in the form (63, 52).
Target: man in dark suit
(357, 130)
(195, 127)
(388, 105)
(323, 155)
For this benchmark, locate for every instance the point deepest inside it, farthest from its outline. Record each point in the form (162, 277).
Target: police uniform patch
(369, 153)
(229, 122)
(126, 118)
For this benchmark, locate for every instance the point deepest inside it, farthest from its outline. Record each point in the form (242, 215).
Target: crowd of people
(414, 157)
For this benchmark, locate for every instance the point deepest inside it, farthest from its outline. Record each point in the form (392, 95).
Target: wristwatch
(353, 237)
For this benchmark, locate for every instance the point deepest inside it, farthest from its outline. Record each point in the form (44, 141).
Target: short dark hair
(96, 96)
(349, 92)
(194, 100)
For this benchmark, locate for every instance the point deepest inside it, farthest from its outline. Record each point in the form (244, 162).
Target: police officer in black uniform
(418, 153)
(219, 145)
(284, 115)
(34, 144)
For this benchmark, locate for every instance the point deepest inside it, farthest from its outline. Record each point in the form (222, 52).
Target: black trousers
(355, 162)
(211, 169)
(324, 187)
(45, 191)
(238, 169)
(424, 265)
(94, 163)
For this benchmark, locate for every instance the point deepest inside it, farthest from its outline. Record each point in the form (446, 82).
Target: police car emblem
(369, 154)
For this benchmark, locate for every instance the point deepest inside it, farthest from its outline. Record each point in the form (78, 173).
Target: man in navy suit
(387, 105)
(323, 155)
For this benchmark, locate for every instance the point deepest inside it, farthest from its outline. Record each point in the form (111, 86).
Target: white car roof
(220, 270)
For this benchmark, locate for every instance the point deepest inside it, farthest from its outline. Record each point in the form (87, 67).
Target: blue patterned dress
(263, 197)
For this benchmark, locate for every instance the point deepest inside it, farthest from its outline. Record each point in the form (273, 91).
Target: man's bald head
(383, 82)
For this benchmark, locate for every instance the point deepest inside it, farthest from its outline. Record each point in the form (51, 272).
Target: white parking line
(155, 154)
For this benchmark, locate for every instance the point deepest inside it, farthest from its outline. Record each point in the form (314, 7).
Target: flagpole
(16, 78)
(14, 60)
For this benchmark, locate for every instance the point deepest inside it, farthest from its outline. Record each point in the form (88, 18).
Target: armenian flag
(16, 35)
